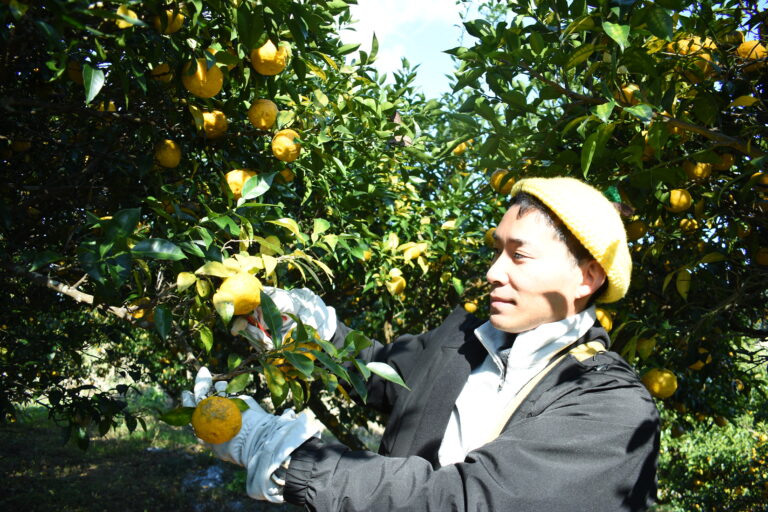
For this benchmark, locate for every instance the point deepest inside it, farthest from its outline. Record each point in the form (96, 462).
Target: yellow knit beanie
(592, 218)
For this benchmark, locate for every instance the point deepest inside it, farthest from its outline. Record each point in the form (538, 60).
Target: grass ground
(161, 469)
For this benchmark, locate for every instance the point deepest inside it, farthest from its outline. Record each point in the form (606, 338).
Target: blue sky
(419, 30)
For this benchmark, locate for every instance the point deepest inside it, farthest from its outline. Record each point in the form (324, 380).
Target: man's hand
(301, 303)
(264, 442)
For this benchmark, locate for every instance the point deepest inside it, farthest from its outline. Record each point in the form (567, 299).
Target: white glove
(264, 443)
(300, 302)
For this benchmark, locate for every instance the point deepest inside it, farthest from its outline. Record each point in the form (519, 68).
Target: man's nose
(495, 274)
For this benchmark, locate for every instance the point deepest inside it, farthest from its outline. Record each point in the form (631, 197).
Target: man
(525, 412)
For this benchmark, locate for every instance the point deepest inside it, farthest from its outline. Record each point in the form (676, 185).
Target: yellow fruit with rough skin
(660, 382)
(243, 290)
(269, 60)
(697, 170)
(752, 51)
(125, 11)
(470, 307)
(263, 114)
(688, 226)
(216, 420)
(214, 124)
(636, 230)
(679, 200)
(605, 319)
(172, 21)
(645, 347)
(168, 153)
(626, 95)
(761, 256)
(498, 182)
(162, 73)
(20, 146)
(236, 179)
(284, 146)
(75, 72)
(203, 82)
(460, 149)
(726, 162)
(490, 240)
(286, 175)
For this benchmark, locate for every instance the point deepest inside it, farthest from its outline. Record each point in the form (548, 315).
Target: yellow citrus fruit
(214, 124)
(283, 146)
(125, 11)
(645, 347)
(636, 230)
(269, 60)
(688, 226)
(20, 146)
(660, 382)
(489, 239)
(752, 51)
(287, 175)
(726, 162)
(470, 307)
(204, 82)
(142, 309)
(168, 153)
(172, 21)
(460, 149)
(162, 73)
(107, 107)
(367, 254)
(498, 184)
(236, 179)
(697, 170)
(75, 72)
(679, 200)
(243, 290)
(216, 420)
(605, 319)
(761, 256)
(263, 114)
(396, 283)
(626, 95)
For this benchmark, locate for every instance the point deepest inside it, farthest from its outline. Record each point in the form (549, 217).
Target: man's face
(534, 278)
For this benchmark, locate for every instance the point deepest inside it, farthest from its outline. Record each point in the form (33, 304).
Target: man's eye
(518, 256)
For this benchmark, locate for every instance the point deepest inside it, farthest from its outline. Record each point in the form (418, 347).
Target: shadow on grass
(126, 474)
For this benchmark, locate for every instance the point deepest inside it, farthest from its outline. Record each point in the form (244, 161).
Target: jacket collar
(531, 347)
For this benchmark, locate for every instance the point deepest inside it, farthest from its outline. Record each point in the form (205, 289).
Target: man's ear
(593, 277)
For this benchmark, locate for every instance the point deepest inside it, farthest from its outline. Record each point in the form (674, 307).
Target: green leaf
(579, 55)
(374, 48)
(206, 338)
(321, 100)
(240, 403)
(660, 23)
(386, 372)
(162, 321)
(458, 285)
(122, 224)
(619, 33)
(225, 308)
(288, 224)
(256, 186)
(604, 110)
(158, 248)
(588, 152)
(272, 318)
(178, 417)
(276, 383)
(301, 362)
(233, 361)
(239, 383)
(347, 48)
(642, 111)
(93, 80)
(358, 340)
(43, 258)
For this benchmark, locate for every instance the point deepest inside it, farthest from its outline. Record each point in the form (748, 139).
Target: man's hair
(527, 202)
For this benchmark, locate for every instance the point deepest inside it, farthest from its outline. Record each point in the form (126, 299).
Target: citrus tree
(661, 105)
(168, 160)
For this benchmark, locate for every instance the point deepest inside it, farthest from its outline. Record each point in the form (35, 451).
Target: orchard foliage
(118, 193)
(113, 252)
